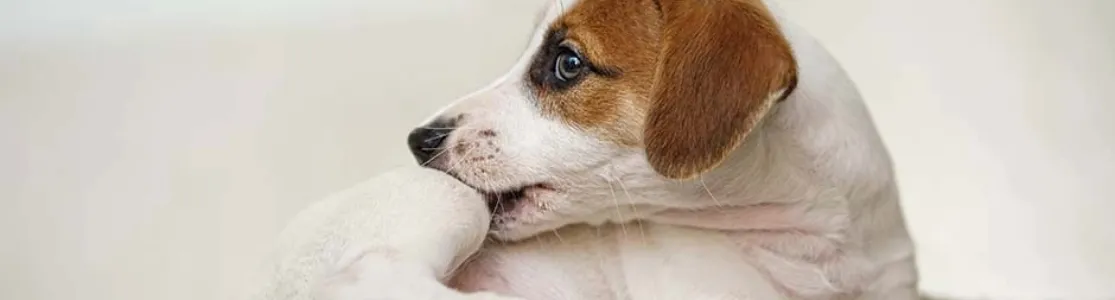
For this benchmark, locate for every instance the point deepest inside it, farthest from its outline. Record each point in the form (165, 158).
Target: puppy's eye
(568, 65)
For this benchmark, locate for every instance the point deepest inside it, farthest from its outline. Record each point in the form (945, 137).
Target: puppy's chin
(514, 231)
(519, 212)
(527, 214)
(543, 211)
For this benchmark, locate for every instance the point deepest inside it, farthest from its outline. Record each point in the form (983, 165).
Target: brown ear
(720, 64)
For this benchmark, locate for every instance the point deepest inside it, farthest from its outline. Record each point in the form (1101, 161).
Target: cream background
(152, 149)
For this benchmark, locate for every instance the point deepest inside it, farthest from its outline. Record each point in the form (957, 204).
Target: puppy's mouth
(504, 201)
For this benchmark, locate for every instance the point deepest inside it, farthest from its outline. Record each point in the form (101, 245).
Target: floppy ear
(721, 62)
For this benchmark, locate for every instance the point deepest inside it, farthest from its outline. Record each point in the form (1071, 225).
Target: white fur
(411, 226)
(806, 208)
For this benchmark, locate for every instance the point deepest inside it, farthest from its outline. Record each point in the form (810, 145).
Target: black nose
(426, 141)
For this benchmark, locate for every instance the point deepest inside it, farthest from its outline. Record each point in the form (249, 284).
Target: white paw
(378, 274)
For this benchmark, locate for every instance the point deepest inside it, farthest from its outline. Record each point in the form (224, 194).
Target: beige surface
(151, 150)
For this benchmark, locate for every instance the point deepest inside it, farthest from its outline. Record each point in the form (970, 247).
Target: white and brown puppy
(671, 149)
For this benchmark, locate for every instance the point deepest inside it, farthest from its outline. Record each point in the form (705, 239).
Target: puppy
(671, 149)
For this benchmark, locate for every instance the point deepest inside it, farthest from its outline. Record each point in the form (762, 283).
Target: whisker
(709, 192)
(634, 209)
(542, 243)
(558, 235)
(436, 137)
(460, 160)
(432, 158)
(615, 201)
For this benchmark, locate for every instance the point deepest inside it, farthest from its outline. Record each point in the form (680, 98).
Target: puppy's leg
(424, 224)
(380, 275)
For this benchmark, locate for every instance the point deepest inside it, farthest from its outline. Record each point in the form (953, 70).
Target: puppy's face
(612, 98)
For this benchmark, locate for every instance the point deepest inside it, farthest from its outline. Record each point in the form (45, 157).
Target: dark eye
(568, 65)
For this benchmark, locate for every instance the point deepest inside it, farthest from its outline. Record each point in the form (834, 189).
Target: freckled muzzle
(428, 141)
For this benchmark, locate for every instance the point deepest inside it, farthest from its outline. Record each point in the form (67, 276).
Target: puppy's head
(611, 96)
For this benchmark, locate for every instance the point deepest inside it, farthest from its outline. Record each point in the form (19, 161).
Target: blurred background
(153, 149)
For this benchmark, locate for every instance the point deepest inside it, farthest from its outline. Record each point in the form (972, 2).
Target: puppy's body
(807, 208)
(672, 149)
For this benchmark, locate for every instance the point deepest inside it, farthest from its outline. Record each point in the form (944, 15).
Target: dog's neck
(766, 185)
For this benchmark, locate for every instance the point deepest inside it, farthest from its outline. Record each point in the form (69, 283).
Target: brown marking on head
(686, 79)
(619, 37)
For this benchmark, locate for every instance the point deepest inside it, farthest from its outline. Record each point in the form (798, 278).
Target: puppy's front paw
(382, 275)
(405, 228)
(377, 274)
(427, 216)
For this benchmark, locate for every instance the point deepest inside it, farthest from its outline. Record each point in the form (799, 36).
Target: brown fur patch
(694, 76)
(617, 35)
